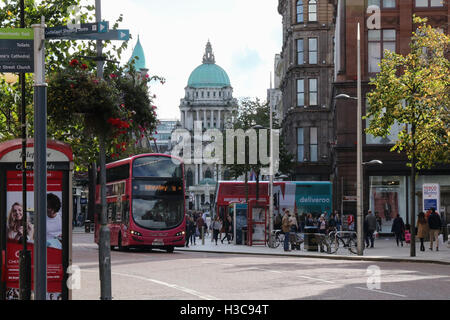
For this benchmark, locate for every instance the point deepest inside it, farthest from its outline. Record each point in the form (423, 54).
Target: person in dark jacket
(434, 223)
(398, 228)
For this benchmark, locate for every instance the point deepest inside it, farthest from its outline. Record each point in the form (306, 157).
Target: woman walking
(398, 228)
(216, 226)
(422, 229)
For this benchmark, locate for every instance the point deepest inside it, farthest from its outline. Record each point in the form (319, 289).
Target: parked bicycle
(277, 238)
(344, 239)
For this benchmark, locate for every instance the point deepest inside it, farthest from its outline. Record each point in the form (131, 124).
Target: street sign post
(66, 32)
(16, 50)
(119, 34)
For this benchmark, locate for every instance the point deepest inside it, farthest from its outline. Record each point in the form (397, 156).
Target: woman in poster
(54, 221)
(15, 228)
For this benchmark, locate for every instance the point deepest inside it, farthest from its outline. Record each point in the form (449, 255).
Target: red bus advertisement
(145, 202)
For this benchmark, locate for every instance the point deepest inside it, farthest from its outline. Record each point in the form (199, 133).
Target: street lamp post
(359, 193)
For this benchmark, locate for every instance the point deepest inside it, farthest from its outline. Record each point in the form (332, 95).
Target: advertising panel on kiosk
(59, 216)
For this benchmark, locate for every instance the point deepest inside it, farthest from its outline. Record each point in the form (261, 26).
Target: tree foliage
(59, 53)
(414, 91)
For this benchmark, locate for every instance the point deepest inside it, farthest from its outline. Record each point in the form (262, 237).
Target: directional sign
(122, 35)
(64, 32)
(16, 50)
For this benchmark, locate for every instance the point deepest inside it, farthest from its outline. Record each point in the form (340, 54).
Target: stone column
(205, 122)
(212, 118)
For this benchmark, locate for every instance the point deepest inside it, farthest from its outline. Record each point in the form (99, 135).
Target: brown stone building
(386, 187)
(306, 83)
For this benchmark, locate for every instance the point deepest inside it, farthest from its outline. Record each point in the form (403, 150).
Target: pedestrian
(398, 228)
(302, 222)
(309, 220)
(422, 229)
(351, 222)
(216, 227)
(227, 229)
(285, 227)
(192, 229)
(434, 223)
(187, 235)
(277, 221)
(332, 225)
(379, 221)
(322, 224)
(200, 225)
(371, 227)
(293, 227)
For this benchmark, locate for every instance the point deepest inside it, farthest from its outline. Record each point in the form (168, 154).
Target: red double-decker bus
(145, 202)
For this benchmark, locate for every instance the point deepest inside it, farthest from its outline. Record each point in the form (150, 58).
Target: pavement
(385, 249)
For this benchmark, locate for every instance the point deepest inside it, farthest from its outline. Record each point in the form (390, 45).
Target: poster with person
(15, 231)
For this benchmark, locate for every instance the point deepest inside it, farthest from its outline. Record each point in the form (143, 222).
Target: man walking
(371, 227)
(434, 223)
(285, 227)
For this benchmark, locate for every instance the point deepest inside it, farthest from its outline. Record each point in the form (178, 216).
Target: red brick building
(386, 187)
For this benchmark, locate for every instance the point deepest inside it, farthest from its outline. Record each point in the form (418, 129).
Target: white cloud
(174, 34)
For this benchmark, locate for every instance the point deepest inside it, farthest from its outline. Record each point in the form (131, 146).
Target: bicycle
(347, 239)
(277, 238)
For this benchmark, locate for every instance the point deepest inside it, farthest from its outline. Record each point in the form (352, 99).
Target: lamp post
(359, 164)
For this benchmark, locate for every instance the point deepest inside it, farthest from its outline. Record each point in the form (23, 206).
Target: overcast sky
(245, 36)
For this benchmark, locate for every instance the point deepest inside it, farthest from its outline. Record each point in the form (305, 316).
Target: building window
(379, 41)
(300, 51)
(300, 93)
(313, 92)
(313, 145)
(190, 178)
(312, 50)
(429, 3)
(312, 10)
(300, 145)
(300, 11)
(382, 3)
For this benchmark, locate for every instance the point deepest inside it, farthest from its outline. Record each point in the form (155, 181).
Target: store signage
(431, 196)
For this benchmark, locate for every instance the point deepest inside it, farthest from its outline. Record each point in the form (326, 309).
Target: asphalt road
(157, 275)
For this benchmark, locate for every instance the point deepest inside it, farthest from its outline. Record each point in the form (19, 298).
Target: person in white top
(54, 219)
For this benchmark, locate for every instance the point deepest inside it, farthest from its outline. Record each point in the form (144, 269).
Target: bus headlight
(181, 233)
(135, 233)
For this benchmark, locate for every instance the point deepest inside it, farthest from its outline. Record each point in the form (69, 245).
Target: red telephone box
(257, 216)
(59, 198)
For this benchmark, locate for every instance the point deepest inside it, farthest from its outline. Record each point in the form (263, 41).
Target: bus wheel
(119, 244)
(170, 249)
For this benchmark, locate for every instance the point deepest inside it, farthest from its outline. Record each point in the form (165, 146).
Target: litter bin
(87, 226)
(310, 239)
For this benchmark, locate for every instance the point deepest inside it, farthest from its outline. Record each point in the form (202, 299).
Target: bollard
(203, 235)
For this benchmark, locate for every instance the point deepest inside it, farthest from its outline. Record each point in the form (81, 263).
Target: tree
(413, 91)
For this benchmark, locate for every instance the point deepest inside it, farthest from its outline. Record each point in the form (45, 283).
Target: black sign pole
(40, 164)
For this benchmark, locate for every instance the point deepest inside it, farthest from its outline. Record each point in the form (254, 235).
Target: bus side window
(110, 210)
(118, 211)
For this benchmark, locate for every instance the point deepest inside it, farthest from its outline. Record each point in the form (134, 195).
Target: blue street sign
(63, 32)
(16, 50)
(121, 35)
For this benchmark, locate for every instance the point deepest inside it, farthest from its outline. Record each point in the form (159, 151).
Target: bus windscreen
(158, 205)
(157, 166)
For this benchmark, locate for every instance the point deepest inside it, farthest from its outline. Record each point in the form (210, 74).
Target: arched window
(208, 174)
(190, 178)
(312, 10)
(300, 11)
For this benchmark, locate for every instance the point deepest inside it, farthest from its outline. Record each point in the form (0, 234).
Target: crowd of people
(197, 227)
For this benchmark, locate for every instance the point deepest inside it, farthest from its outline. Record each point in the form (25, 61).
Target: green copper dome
(138, 51)
(209, 74)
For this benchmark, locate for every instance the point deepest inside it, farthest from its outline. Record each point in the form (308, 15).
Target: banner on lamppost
(431, 196)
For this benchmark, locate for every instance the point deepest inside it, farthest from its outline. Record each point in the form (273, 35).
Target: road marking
(385, 292)
(316, 279)
(173, 286)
